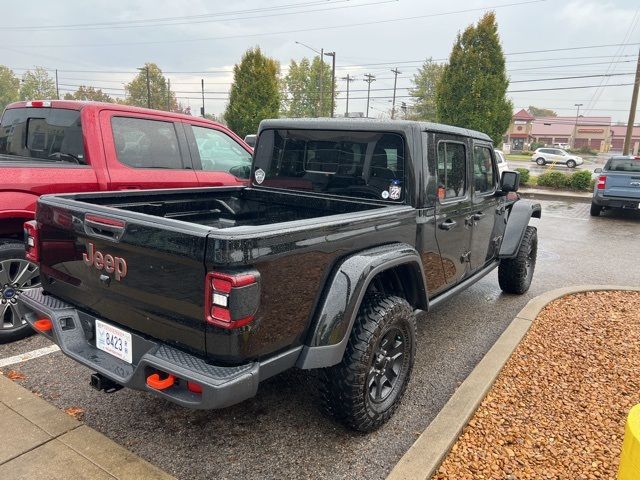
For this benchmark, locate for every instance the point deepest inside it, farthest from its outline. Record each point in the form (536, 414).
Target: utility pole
(168, 95)
(333, 80)
(202, 108)
(370, 78)
(146, 70)
(57, 89)
(632, 113)
(395, 83)
(321, 80)
(348, 80)
(575, 126)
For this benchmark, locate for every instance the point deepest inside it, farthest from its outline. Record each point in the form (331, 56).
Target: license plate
(114, 341)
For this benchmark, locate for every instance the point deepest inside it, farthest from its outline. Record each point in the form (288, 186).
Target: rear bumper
(616, 202)
(74, 332)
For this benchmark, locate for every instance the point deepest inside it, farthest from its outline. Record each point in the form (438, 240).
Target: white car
(501, 161)
(542, 156)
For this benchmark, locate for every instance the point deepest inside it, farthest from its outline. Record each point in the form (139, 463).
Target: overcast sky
(368, 36)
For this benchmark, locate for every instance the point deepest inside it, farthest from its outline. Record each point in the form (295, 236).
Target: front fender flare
(344, 291)
(519, 217)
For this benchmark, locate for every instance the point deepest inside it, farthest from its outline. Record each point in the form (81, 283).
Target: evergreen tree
(254, 93)
(158, 88)
(9, 87)
(472, 91)
(37, 85)
(89, 93)
(424, 91)
(301, 89)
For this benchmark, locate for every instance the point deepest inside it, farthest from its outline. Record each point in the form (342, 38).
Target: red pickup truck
(67, 146)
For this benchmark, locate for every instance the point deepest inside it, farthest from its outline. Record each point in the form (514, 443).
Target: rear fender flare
(519, 217)
(344, 291)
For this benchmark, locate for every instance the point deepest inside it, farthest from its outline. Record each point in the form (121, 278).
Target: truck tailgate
(122, 267)
(624, 185)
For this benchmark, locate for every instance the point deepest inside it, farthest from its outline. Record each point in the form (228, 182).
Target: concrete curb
(536, 194)
(41, 441)
(427, 453)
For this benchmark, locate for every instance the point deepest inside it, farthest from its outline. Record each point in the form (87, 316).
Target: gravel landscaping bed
(559, 406)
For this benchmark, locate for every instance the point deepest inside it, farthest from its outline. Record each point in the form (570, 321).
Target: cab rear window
(42, 135)
(624, 165)
(353, 164)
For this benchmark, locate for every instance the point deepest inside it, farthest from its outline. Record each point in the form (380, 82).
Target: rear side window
(354, 163)
(483, 175)
(452, 170)
(43, 135)
(623, 165)
(142, 143)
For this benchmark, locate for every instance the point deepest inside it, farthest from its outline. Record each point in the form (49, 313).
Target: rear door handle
(448, 224)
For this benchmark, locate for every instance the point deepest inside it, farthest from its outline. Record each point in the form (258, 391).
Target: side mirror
(510, 181)
(250, 140)
(597, 170)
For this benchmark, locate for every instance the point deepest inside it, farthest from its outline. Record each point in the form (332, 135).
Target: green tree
(9, 87)
(89, 93)
(424, 91)
(37, 85)
(472, 90)
(541, 112)
(301, 89)
(160, 96)
(254, 93)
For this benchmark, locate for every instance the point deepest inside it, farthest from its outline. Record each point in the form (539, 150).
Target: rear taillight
(231, 300)
(32, 250)
(602, 182)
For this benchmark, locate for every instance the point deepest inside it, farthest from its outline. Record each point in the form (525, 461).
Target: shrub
(524, 176)
(580, 180)
(584, 151)
(526, 152)
(536, 145)
(554, 180)
(592, 184)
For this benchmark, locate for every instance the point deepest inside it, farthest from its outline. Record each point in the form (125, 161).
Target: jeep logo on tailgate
(110, 264)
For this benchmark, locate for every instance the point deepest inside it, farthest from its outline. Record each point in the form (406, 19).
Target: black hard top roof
(368, 124)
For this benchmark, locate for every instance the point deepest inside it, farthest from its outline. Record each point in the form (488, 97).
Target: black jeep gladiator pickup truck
(348, 228)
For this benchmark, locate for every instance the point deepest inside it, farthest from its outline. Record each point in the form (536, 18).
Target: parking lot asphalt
(280, 433)
(590, 164)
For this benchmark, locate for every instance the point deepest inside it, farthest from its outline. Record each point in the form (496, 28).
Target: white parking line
(23, 357)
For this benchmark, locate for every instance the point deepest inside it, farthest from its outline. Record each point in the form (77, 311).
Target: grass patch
(518, 158)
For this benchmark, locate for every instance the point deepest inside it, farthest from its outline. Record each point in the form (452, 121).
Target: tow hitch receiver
(100, 382)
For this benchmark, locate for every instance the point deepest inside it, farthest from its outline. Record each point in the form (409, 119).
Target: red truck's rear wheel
(364, 389)
(16, 275)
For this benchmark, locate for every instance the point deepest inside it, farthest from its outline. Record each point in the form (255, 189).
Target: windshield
(623, 165)
(354, 164)
(42, 134)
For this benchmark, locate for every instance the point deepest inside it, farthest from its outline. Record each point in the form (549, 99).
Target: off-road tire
(595, 210)
(345, 389)
(541, 161)
(515, 274)
(10, 250)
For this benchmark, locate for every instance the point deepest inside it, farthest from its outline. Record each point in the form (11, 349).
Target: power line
(300, 30)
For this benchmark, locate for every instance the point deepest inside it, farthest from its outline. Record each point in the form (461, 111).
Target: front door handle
(477, 216)
(448, 224)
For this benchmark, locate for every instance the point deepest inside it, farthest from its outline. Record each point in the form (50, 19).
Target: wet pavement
(280, 434)
(590, 164)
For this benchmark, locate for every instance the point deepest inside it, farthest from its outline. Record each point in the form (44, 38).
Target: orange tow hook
(155, 382)
(43, 325)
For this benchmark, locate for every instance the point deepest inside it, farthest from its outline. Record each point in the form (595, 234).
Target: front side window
(351, 163)
(42, 135)
(142, 143)
(483, 176)
(452, 170)
(219, 152)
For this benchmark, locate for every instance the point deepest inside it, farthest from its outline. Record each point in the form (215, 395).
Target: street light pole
(202, 109)
(575, 126)
(333, 80)
(370, 78)
(626, 149)
(395, 83)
